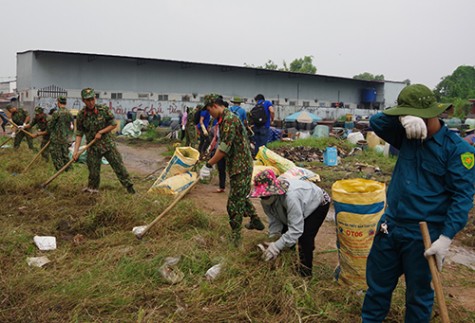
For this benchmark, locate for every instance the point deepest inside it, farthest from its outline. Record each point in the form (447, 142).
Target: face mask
(270, 200)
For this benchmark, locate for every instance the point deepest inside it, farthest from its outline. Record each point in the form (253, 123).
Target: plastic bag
(302, 174)
(170, 272)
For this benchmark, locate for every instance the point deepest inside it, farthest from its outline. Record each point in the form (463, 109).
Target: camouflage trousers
(190, 137)
(59, 154)
(45, 153)
(114, 158)
(239, 205)
(19, 137)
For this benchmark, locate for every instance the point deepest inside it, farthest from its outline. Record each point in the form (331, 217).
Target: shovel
(439, 293)
(36, 157)
(140, 231)
(67, 164)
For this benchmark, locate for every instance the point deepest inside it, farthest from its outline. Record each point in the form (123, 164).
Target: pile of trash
(300, 153)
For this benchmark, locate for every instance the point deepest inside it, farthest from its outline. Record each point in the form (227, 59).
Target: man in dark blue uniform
(433, 181)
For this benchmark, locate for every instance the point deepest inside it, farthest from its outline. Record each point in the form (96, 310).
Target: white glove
(205, 172)
(21, 127)
(439, 248)
(13, 134)
(415, 127)
(271, 252)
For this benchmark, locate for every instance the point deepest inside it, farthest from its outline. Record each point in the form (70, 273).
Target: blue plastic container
(330, 156)
(368, 95)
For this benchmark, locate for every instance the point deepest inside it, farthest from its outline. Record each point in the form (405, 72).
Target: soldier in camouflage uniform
(60, 128)
(21, 118)
(97, 121)
(234, 145)
(190, 129)
(40, 120)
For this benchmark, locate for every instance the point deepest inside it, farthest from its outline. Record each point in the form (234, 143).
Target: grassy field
(101, 273)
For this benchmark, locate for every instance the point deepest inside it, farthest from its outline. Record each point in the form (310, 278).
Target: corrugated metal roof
(39, 52)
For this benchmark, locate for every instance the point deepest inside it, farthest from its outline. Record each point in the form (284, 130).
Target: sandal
(220, 190)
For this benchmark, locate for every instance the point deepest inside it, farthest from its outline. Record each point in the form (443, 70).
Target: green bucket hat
(88, 93)
(236, 99)
(417, 100)
(62, 99)
(39, 109)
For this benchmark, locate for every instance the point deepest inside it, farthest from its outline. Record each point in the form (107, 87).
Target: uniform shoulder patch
(468, 160)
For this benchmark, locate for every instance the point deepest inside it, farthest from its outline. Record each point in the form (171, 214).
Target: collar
(438, 137)
(90, 112)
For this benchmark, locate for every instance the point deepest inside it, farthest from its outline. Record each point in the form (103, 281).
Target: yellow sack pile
(269, 158)
(177, 176)
(359, 204)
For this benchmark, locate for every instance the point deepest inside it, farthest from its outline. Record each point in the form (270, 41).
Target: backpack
(258, 115)
(197, 117)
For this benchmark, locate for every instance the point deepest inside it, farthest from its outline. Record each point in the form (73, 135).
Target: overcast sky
(420, 40)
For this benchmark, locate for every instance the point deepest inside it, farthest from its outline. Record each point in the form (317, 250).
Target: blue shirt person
(262, 134)
(433, 181)
(238, 110)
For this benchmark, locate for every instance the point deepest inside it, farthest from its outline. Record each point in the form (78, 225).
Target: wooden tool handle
(182, 194)
(36, 157)
(439, 293)
(67, 164)
(5, 142)
(16, 126)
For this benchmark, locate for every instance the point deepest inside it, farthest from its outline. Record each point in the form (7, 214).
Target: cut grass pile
(101, 273)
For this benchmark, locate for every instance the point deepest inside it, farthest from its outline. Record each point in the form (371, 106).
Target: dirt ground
(142, 160)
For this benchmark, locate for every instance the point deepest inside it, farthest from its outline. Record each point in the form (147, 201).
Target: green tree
(298, 65)
(369, 77)
(303, 65)
(461, 84)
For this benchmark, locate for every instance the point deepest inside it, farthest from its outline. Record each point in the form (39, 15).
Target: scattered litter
(37, 261)
(169, 271)
(138, 230)
(213, 272)
(45, 242)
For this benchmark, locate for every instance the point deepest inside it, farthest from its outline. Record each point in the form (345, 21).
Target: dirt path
(142, 159)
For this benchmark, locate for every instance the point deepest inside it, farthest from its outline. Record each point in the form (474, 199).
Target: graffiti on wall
(121, 107)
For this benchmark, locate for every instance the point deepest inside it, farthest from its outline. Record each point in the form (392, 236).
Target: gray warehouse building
(167, 86)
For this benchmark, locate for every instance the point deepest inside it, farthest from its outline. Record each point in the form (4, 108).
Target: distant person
(202, 130)
(21, 118)
(261, 121)
(238, 110)
(433, 181)
(41, 121)
(96, 122)
(190, 127)
(4, 119)
(60, 128)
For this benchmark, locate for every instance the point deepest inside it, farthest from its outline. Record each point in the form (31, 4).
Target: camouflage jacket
(19, 116)
(59, 127)
(41, 121)
(88, 123)
(234, 142)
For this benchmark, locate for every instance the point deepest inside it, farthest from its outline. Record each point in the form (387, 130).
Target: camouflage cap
(210, 99)
(9, 106)
(88, 93)
(62, 99)
(417, 100)
(39, 109)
